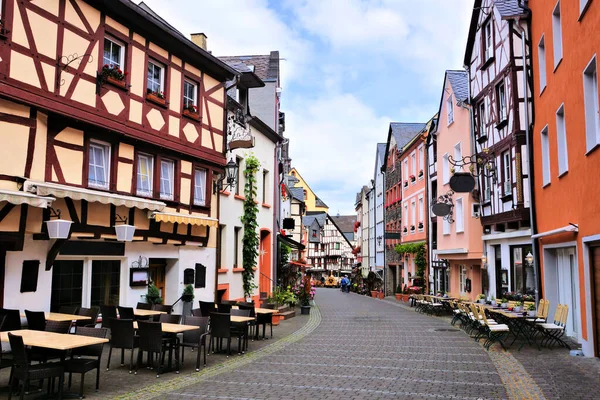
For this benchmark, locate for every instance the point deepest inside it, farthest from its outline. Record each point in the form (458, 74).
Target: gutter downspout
(534, 247)
(383, 239)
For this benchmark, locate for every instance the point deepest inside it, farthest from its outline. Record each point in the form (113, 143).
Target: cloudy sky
(350, 68)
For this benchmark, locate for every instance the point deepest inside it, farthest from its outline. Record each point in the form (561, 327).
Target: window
(156, 76)
(114, 53)
(542, 63)
(421, 210)
(405, 170)
(421, 159)
(105, 285)
(265, 183)
(488, 41)
(561, 136)
(99, 165)
(458, 155)
(545, 156)
(167, 173)
(238, 181)
(592, 111)
(337, 246)
(236, 246)
(460, 216)
(189, 95)
(557, 34)
(200, 187)
(413, 212)
(462, 278)
(413, 163)
(144, 175)
(501, 100)
(446, 227)
(482, 118)
(487, 190)
(450, 110)
(507, 186)
(446, 168)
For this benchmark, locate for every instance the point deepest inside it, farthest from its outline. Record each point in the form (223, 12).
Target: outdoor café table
(146, 313)
(517, 323)
(265, 311)
(59, 317)
(173, 329)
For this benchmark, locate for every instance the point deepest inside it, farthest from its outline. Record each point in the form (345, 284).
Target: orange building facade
(566, 136)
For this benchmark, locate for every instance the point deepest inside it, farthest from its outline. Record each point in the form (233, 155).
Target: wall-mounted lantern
(124, 232)
(58, 228)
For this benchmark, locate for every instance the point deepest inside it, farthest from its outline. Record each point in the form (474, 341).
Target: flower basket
(380, 295)
(398, 296)
(420, 173)
(115, 82)
(413, 178)
(191, 114)
(374, 294)
(155, 98)
(405, 183)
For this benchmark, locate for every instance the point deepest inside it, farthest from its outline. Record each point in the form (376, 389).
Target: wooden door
(595, 258)
(158, 275)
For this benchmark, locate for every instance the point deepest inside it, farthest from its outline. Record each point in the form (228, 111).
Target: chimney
(199, 40)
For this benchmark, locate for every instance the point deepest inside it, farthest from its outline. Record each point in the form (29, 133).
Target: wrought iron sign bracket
(63, 62)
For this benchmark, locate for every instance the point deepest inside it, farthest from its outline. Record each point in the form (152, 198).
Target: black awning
(290, 242)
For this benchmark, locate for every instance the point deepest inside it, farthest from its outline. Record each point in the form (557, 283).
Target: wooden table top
(146, 313)
(508, 313)
(235, 318)
(265, 311)
(52, 340)
(172, 328)
(54, 316)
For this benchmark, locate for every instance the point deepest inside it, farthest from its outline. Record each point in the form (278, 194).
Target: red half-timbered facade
(107, 113)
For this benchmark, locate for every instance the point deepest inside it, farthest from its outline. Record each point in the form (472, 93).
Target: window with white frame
(507, 181)
(446, 168)
(561, 137)
(421, 211)
(542, 63)
(422, 159)
(592, 111)
(488, 40)
(482, 119)
(458, 155)
(114, 53)
(200, 187)
(487, 190)
(144, 174)
(156, 78)
(99, 165)
(413, 163)
(405, 170)
(501, 99)
(460, 216)
(167, 179)
(450, 109)
(462, 279)
(405, 216)
(190, 91)
(557, 34)
(413, 213)
(265, 186)
(445, 227)
(545, 156)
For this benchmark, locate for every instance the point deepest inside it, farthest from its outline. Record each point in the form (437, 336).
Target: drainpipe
(383, 238)
(534, 247)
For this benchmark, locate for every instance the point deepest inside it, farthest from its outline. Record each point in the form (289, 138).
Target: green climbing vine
(250, 239)
(418, 249)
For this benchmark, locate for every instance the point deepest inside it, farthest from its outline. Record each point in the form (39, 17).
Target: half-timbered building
(496, 63)
(111, 116)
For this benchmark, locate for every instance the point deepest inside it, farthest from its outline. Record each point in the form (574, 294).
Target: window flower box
(420, 225)
(115, 82)
(412, 178)
(405, 230)
(420, 173)
(157, 98)
(412, 228)
(191, 112)
(405, 183)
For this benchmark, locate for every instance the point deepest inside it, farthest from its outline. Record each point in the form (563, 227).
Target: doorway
(67, 284)
(158, 274)
(264, 258)
(562, 285)
(595, 272)
(106, 279)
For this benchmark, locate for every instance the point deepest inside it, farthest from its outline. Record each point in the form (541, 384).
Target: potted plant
(398, 292)
(303, 294)
(156, 97)
(114, 75)
(412, 178)
(519, 307)
(405, 293)
(493, 300)
(405, 229)
(191, 111)
(405, 183)
(420, 173)
(481, 298)
(412, 228)
(153, 295)
(504, 302)
(420, 225)
(531, 310)
(187, 297)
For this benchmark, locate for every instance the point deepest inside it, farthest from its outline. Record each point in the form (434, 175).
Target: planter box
(155, 99)
(191, 115)
(115, 82)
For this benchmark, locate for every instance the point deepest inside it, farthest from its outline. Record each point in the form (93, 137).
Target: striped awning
(16, 197)
(76, 193)
(184, 219)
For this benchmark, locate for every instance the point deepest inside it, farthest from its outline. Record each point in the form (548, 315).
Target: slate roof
(265, 66)
(320, 203)
(308, 219)
(381, 152)
(403, 132)
(297, 193)
(460, 84)
(345, 222)
(511, 8)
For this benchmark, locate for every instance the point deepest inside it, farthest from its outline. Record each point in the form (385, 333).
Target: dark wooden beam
(53, 252)
(6, 210)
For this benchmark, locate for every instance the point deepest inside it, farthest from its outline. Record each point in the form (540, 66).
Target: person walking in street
(345, 284)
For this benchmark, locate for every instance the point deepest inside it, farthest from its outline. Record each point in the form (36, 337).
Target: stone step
(288, 314)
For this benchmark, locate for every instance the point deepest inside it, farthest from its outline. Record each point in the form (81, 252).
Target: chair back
(513, 304)
(163, 308)
(150, 336)
(144, 306)
(36, 320)
(207, 307)
(195, 335)
(249, 307)
(18, 350)
(12, 322)
(540, 309)
(126, 312)
(94, 350)
(169, 318)
(481, 312)
(546, 309)
(270, 306)
(220, 325)
(88, 312)
(223, 308)
(240, 313)
(121, 333)
(196, 312)
(564, 315)
(230, 302)
(69, 310)
(108, 314)
(58, 326)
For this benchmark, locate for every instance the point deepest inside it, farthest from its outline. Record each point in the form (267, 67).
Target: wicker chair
(264, 320)
(169, 318)
(152, 342)
(23, 372)
(252, 324)
(108, 314)
(88, 312)
(36, 320)
(220, 328)
(163, 307)
(195, 339)
(69, 310)
(126, 312)
(144, 306)
(12, 322)
(207, 307)
(122, 337)
(224, 308)
(87, 358)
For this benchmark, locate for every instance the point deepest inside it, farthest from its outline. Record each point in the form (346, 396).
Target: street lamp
(231, 172)
(125, 231)
(58, 228)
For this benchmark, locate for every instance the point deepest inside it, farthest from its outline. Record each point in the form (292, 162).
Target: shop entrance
(67, 284)
(158, 274)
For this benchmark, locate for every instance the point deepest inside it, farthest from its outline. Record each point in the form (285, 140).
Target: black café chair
(169, 318)
(195, 339)
(69, 310)
(12, 322)
(109, 313)
(88, 312)
(5, 362)
(206, 307)
(196, 312)
(122, 336)
(224, 308)
(86, 359)
(241, 328)
(144, 306)
(163, 308)
(126, 312)
(220, 328)
(152, 342)
(23, 372)
(264, 320)
(36, 320)
(250, 307)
